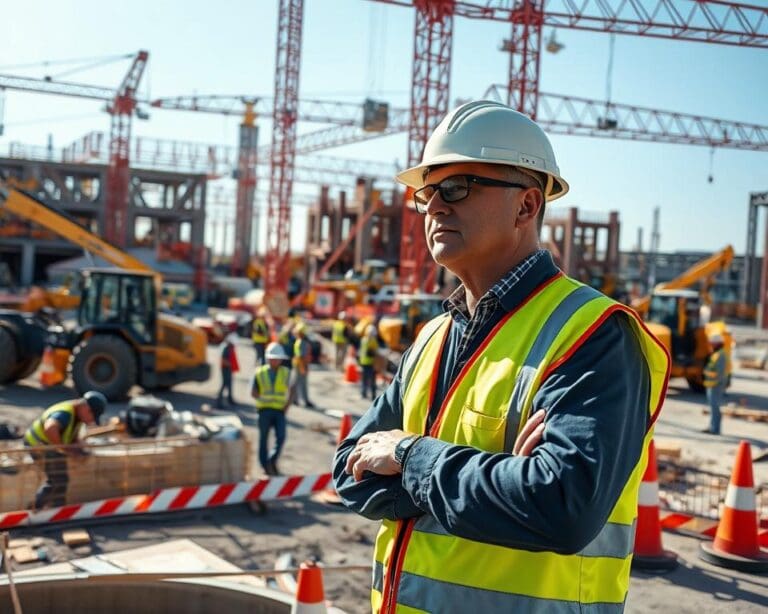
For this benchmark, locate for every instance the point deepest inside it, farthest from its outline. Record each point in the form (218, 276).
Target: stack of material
(130, 466)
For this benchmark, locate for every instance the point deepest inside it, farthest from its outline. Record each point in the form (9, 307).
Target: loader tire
(695, 384)
(27, 367)
(8, 357)
(104, 363)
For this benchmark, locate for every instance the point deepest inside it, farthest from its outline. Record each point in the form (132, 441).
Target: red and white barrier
(173, 499)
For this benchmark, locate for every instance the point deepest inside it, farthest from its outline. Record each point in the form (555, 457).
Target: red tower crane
(121, 105)
(284, 116)
(709, 21)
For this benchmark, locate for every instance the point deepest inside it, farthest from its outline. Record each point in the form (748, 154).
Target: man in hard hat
(272, 392)
(302, 357)
(369, 347)
(715, 380)
(58, 428)
(340, 339)
(259, 335)
(515, 434)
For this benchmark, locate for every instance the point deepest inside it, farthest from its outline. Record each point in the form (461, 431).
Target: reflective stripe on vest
(368, 347)
(337, 334)
(714, 371)
(272, 396)
(35, 435)
(485, 408)
(259, 331)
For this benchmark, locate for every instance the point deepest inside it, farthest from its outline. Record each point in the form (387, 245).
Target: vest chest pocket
(482, 431)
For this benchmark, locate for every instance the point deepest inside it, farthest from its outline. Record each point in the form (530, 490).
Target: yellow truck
(120, 339)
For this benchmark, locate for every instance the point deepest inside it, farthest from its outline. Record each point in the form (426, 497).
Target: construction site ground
(307, 528)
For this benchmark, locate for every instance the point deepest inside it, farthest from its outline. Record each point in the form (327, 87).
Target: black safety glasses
(455, 188)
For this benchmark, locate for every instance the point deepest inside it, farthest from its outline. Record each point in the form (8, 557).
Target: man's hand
(531, 434)
(375, 452)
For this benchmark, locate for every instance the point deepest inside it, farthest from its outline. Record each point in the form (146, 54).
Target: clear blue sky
(354, 48)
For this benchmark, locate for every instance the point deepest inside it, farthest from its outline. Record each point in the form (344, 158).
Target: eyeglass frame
(484, 181)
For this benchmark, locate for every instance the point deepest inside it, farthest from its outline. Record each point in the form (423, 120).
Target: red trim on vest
(438, 421)
(586, 334)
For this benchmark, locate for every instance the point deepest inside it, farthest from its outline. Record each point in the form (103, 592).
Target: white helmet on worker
(275, 351)
(491, 133)
(370, 330)
(342, 315)
(716, 339)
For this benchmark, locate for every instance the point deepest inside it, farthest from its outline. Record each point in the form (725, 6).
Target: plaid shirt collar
(456, 303)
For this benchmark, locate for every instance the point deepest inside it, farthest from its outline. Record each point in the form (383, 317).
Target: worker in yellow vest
(715, 380)
(369, 347)
(272, 391)
(340, 339)
(52, 437)
(505, 457)
(259, 336)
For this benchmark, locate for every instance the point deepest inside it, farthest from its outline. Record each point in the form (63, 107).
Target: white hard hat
(370, 329)
(716, 338)
(342, 315)
(490, 133)
(275, 351)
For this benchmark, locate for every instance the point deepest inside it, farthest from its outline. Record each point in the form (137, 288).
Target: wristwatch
(403, 447)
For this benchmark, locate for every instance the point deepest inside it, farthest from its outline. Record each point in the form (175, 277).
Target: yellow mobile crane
(120, 339)
(673, 315)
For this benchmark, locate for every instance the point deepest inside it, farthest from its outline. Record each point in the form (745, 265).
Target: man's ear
(531, 203)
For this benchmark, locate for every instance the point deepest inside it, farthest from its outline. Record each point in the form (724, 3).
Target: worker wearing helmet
(259, 335)
(272, 392)
(340, 339)
(369, 346)
(715, 380)
(229, 366)
(515, 433)
(302, 357)
(56, 431)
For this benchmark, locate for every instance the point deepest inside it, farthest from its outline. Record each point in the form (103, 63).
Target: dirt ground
(306, 528)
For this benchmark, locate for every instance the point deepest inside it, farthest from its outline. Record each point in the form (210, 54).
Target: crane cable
(45, 63)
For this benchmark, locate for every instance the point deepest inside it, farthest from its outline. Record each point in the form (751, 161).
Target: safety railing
(697, 492)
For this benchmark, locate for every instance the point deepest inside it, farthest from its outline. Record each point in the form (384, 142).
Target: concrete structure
(166, 208)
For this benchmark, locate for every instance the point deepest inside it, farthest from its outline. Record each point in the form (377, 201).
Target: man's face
(478, 230)
(274, 362)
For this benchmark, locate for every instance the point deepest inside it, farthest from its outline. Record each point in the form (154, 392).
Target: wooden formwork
(126, 467)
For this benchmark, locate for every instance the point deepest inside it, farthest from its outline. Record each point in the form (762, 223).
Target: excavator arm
(703, 271)
(31, 209)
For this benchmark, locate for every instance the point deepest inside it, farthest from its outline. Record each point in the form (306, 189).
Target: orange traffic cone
(649, 553)
(736, 544)
(49, 376)
(351, 374)
(310, 598)
(329, 495)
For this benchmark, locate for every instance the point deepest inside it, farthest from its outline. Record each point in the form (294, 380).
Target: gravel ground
(307, 528)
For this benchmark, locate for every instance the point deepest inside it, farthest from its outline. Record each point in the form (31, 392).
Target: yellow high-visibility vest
(418, 565)
(35, 435)
(714, 371)
(259, 332)
(272, 396)
(368, 347)
(337, 333)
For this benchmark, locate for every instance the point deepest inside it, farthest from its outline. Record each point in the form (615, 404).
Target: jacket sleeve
(560, 496)
(375, 497)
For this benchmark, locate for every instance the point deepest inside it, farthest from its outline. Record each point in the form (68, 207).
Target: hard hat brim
(414, 177)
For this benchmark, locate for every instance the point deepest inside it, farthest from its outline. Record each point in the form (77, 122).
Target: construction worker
(302, 357)
(272, 392)
(715, 379)
(259, 335)
(229, 366)
(339, 338)
(58, 428)
(369, 346)
(505, 457)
